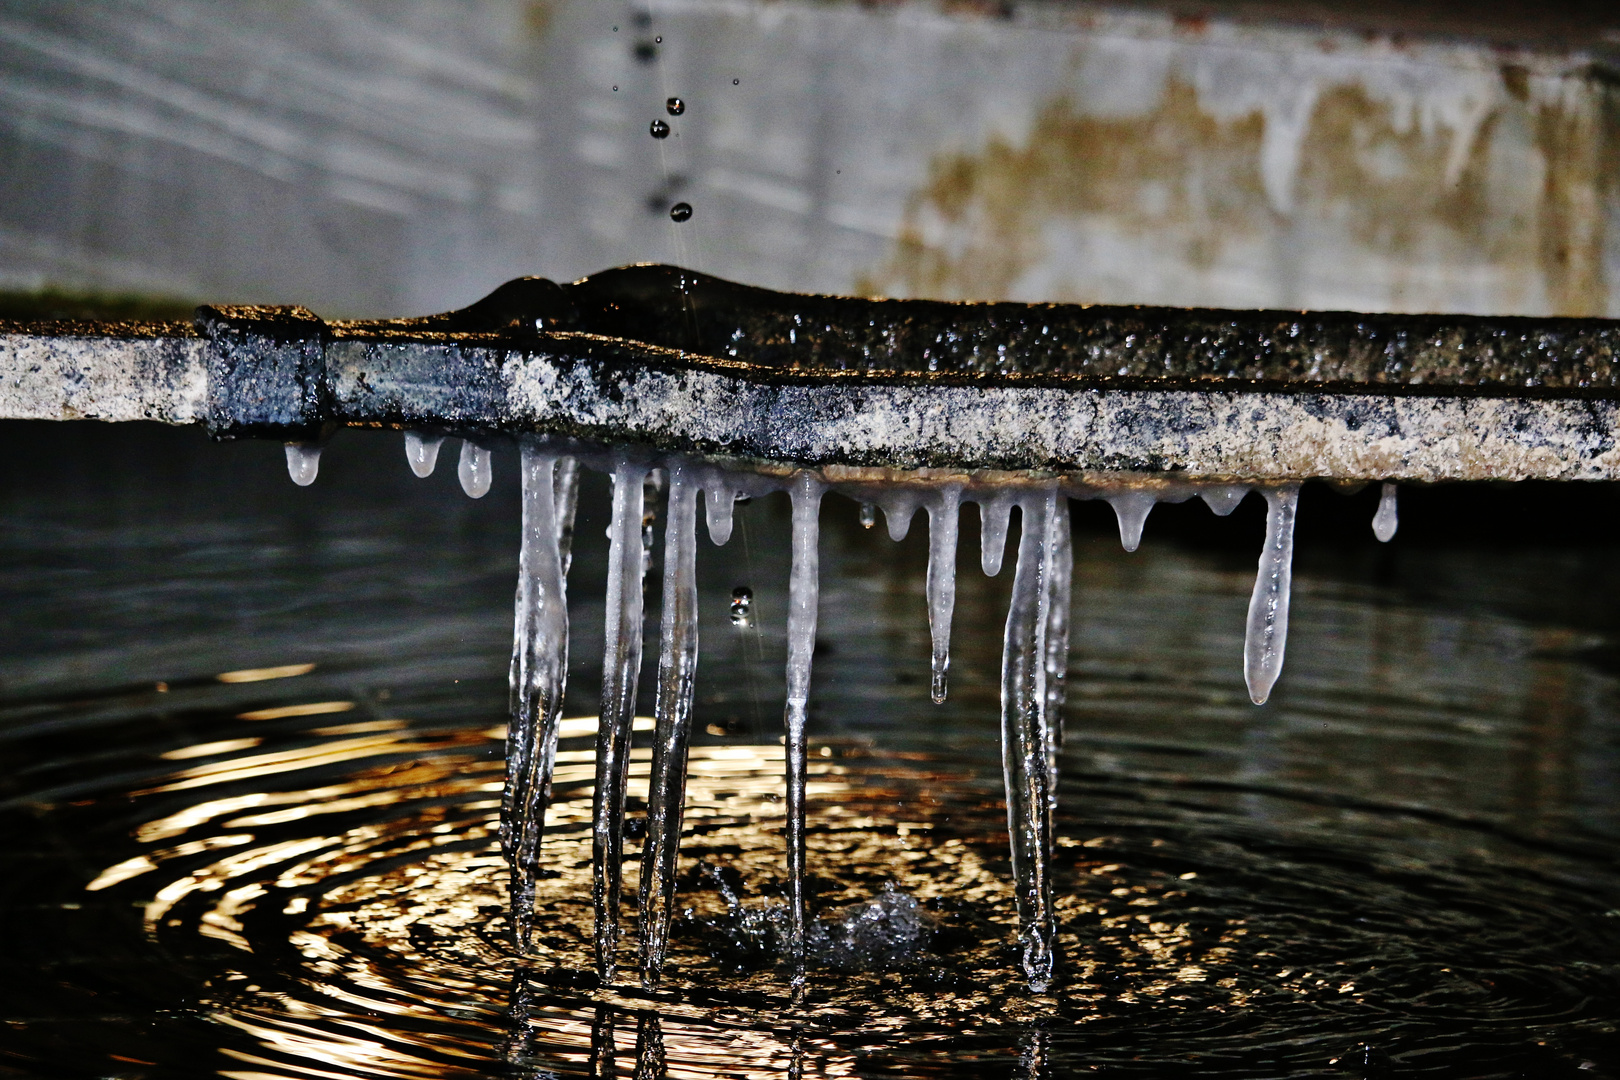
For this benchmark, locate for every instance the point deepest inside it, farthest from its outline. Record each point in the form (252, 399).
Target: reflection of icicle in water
(650, 1061)
(422, 451)
(803, 596)
(944, 518)
(603, 1065)
(539, 669)
(1131, 507)
(621, 665)
(1024, 747)
(1267, 631)
(1057, 573)
(1385, 522)
(994, 513)
(677, 667)
(303, 463)
(474, 469)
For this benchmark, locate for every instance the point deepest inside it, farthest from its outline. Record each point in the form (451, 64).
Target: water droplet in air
(735, 82)
(680, 211)
(868, 515)
(742, 603)
(658, 129)
(675, 106)
(615, 89)
(658, 40)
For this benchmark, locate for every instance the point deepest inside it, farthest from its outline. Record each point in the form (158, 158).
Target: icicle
(422, 451)
(1025, 766)
(621, 667)
(303, 463)
(720, 502)
(944, 519)
(1132, 509)
(868, 515)
(538, 674)
(993, 516)
(1267, 631)
(677, 667)
(565, 500)
(803, 595)
(1385, 521)
(1057, 574)
(1224, 499)
(898, 510)
(474, 469)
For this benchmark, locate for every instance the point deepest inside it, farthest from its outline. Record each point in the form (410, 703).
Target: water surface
(1403, 865)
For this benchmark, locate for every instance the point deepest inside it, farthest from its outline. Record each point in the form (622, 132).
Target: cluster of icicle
(1033, 668)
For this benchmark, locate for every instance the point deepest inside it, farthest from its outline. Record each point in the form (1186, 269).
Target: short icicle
(944, 521)
(1132, 509)
(303, 463)
(1025, 765)
(474, 469)
(1223, 498)
(422, 451)
(677, 669)
(898, 510)
(803, 596)
(1385, 522)
(719, 511)
(1267, 632)
(538, 674)
(994, 513)
(621, 667)
(1058, 576)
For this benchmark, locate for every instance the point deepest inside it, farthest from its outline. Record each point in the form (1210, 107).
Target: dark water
(1404, 865)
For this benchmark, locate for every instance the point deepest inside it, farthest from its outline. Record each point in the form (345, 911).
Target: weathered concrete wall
(368, 157)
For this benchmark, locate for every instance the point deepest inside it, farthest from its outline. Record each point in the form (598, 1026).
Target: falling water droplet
(742, 605)
(868, 515)
(422, 451)
(680, 211)
(675, 106)
(1385, 522)
(658, 40)
(736, 82)
(658, 129)
(474, 469)
(303, 463)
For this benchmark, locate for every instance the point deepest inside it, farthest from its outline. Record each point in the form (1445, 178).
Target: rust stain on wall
(1515, 211)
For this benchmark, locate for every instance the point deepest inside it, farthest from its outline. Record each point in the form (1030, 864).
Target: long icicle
(621, 668)
(1267, 632)
(677, 667)
(1025, 766)
(1058, 575)
(539, 672)
(803, 596)
(944, 520)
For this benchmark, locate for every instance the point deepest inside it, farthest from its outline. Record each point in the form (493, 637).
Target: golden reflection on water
(357, 874)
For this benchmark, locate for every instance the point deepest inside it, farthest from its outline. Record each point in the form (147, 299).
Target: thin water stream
(253, 734)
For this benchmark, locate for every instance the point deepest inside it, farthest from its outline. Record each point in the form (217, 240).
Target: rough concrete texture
(364, 161)
(90, 371)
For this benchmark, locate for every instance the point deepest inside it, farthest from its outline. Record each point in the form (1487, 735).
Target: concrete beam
(674, 361)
